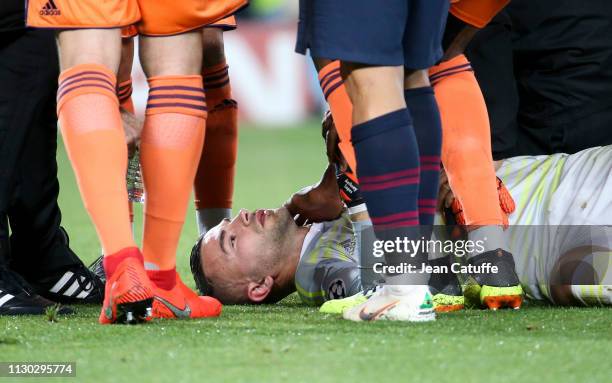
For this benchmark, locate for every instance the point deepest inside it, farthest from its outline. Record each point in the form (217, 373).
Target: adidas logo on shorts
(50, 9)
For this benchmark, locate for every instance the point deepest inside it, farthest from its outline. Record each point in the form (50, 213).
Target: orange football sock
(341, 109)
(214, 182)
(466, 141)
(170, 149)
(93, 135)
(124, 93)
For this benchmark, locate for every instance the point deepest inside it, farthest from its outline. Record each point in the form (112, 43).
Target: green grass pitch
(291, 343)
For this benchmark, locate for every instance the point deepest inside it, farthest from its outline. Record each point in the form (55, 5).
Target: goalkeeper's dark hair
(195, 262)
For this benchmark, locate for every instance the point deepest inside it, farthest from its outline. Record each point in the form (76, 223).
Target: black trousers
(29, 187)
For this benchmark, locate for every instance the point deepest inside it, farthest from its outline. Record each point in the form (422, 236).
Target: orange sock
(466, 141)
(214, 182)
(124, 93)
(341, 109)
(91, 128)
(170, 149)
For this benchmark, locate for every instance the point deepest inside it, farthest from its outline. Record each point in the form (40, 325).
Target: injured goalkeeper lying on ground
(558, 236)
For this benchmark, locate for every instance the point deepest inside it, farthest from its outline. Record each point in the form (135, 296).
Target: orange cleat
(501, 301)
(448, 308)
(182, 303)
(128, 294)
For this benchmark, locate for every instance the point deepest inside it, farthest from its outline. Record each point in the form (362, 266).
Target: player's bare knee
(172, 55)
(213, 47)
(416, 79)
(374, 91)
(90, 46)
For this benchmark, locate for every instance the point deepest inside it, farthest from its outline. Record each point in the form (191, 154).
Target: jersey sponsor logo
(336, 290)
(50, 9)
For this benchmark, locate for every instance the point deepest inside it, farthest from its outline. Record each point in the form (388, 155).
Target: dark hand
(132, 127)
(317, 203)
(330, 135)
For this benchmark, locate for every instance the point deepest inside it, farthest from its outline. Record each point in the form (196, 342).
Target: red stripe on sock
(390, 184)
(412, 222)
(428, 202)
(430, 167)
(388, 176)
(395, 217)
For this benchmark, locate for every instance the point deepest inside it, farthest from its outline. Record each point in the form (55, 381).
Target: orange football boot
(182, 303)
(128, 296)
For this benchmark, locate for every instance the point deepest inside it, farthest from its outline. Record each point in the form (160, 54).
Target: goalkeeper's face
(241, 253)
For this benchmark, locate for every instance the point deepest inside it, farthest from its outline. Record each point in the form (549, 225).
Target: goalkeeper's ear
(258, 291)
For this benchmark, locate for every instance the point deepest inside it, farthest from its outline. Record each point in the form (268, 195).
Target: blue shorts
(400, 32)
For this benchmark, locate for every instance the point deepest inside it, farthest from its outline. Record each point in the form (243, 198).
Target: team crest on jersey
(50, 9)
(348, 245)
(336, 290)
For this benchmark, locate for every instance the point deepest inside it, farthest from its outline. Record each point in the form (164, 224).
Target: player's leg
(388, 172)
(581, 275)
(445, 287)
(124, 73)
(421, 48)
(341, 109)
(422, 104)
(214, 182)
(171, 146)
(39, 246)
(340, 106)
(171, 143)
(28, 74)
(382, 131)
(92, 131)
(466, 150)
(90, 50)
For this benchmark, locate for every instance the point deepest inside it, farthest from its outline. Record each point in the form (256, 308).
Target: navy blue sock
(388, 174)
(428, 130)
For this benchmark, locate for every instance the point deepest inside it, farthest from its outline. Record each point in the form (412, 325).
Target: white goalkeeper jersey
(556, 194)
(329, 262)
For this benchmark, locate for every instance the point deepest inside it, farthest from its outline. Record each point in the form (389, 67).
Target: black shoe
(505, 276)
(64, 278)
(445, 287)
(17, 298)
(74, 285)
(495, 288)
(97, 267)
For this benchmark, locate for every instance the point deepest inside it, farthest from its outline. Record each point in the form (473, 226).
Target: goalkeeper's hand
(317, 203)
(446, 199)
(132, 127)
(330, 135)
